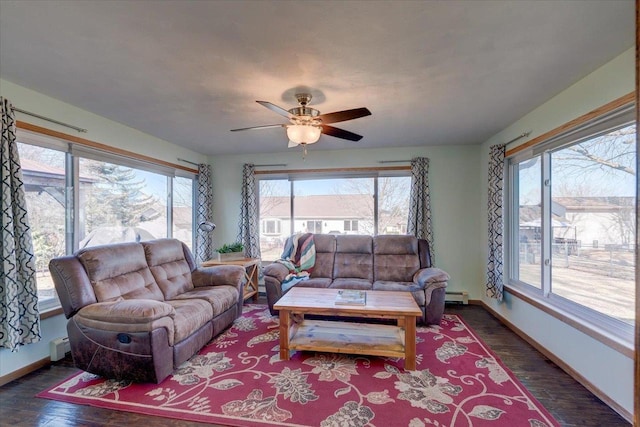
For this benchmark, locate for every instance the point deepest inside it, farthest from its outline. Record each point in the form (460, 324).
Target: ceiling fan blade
(259, 127)
(340, 133)
(343, 116)
(292, 144)
(276, 109)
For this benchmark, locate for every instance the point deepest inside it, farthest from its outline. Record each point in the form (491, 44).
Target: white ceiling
(431, 72)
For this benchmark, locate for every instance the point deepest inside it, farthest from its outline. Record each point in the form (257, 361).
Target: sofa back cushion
(325, 255)
(354, 257)
(396, 258)
(169, 266)
(118, 272)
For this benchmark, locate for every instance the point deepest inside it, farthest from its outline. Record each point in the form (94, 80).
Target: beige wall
(606, 369)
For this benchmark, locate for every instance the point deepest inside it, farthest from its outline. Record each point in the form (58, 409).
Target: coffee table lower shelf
(346, 337)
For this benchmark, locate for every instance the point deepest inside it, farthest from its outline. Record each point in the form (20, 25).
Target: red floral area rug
(239, 380)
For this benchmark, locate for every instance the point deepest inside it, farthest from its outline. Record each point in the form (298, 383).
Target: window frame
(75, 148)
(315, 174)
(608, 330)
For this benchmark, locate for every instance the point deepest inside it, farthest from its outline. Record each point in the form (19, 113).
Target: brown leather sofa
(138, 310)
(381, 263)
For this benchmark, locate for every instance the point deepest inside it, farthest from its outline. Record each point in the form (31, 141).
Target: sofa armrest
(232, 275)
(276, 271)
(431, 277)
(127, 311)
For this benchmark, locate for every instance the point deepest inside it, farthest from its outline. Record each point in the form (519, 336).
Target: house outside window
(571, 223)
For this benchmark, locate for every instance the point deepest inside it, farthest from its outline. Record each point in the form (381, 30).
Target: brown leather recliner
(138, 310)
(379, 263)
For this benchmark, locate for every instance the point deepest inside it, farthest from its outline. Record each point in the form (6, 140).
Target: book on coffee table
(351, 297)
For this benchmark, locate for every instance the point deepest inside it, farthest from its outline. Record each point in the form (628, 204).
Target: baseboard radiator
(59, 347)
(461, 297)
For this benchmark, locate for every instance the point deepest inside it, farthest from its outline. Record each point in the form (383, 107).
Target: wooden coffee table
(298, 333)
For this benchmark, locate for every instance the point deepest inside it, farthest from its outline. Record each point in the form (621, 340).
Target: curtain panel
(204, 238)
(495, 229)
(419, 223)
(19, 315)
(249, 233)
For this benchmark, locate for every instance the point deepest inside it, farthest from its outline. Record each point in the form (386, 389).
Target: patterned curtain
(19, 316)
(248, 232)
(419, 223)
(495, 223)
(204, 239)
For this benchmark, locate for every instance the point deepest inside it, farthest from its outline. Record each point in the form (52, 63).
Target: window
(351, 225)
(332, 205)
(271, 226)
(528, 217)
(123, 204)
(572, 223)
(78, 197)
(44, 176)
(393, 204)
(182, 214)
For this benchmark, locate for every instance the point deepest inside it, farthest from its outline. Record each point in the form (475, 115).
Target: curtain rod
(187, 161)
(523, 135)
(394, 161)
(272, 165)
(28, 113)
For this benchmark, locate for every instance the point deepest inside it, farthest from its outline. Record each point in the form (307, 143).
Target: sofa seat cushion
(221, 298)
(128, 311)
(315, 282)
(351, 283)
(119, 272)
(420, 298)
(384, 285)
(191, 315)
(128, 316)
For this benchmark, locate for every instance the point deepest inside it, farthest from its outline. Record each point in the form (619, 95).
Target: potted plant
(231, 251)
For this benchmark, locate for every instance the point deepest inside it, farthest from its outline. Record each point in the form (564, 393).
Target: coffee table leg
(285, 323)
(409, 343)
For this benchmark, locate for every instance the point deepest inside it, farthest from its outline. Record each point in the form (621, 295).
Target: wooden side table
(250, 273)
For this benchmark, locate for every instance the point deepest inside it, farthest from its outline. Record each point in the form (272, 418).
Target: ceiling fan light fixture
(304, 134)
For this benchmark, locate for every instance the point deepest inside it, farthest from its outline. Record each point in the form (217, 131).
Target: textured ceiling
(431, 72)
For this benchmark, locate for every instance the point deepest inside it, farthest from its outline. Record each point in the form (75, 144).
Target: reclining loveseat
(380, 263)
(138, 310)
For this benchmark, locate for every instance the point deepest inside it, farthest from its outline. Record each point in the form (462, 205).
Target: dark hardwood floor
(569, 402)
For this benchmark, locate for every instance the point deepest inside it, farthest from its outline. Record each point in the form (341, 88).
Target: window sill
(51, 312)
(618, 343)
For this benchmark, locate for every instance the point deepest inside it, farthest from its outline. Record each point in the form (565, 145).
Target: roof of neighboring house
(32, 167)
(341, 206)
(595, 204)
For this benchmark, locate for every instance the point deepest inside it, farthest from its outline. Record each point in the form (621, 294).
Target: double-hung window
(571, 222)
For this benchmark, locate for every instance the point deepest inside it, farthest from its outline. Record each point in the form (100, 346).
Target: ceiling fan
(306, 123)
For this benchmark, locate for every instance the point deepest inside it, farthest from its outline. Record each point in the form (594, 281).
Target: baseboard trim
(24, 371)
(561, 364)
